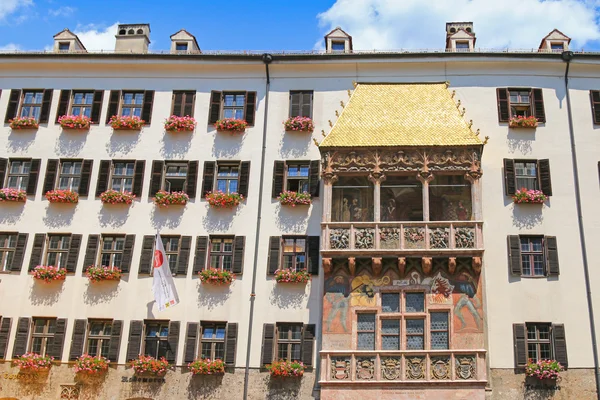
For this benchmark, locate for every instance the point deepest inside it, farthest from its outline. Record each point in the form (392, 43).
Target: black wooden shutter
(295, 99)
(147, 107)
(63, 103)
(22, 337)
(115, 341)
(73, 255)
(103, 175)
(188, 103)
(113, 104)
(538, 105)
(127, 253)
(3, 167)
(313, 254)
(138, 178)
(231, 344)
(192, 179)
(191, 338)
(200, 254)
(46, 102)
(503, 104)
(595, 100)
(306, 105)
(38, 248)
(552, 255)
(86, 173)
(278, 178)
(313, 181)
(308, 344)
(134, 345)
(184, 255)
(520, 344)
(514, 255)
(510, 181)
(97, 106)
(58, 342)
(146, 257)
(173, 341)
(244, 178)
(545, 181)
(158, 167)
(17, 260)
(250, 108)
(274, 244)
(267, 344)
(91, 251)
(50, 178)
(214, 112)
(13, 105)
(238, 254)
(208, 181)
(177, 103)
(4, 334)
(78, 339)
(560, 344)
(34, 172)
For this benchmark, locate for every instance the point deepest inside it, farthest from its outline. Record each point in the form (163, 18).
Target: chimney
(132, 38)
(460, 36)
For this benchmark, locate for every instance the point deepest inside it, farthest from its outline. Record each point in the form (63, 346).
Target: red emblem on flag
(158, 259)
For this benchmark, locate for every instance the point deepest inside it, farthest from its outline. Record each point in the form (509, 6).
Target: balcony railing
(411, 366)
(365, 237)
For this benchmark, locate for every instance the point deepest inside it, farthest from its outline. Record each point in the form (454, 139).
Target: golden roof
(399, 114)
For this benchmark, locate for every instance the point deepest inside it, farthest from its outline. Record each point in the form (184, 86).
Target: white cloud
(414, 24)
(10, 47)
(94, 38)
(8, 7)
(62, 11)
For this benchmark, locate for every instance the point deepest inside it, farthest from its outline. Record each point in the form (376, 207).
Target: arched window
(140, 31)
(452, 30)
(131, 32)
(122, 32)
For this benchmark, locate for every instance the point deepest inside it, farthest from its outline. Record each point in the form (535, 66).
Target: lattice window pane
(439, 321)
(414, 343)
(366, 341)
(390, 302)
(366, 322)
(415, 326)
(390, 343)
(415, 302)
(390, 327)
(439, 340)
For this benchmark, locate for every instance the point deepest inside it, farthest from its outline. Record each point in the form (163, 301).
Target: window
(366, 331)
(234, 105)
(539, 344)
(43, 335)
(32, 104)
(213, 341)
(390, 334)
(297, 177)
(439, 330)
(352, 199)
(18, 174)
(155, 341)
(122, 176)
(338, 46)
(70, 175)
(8, 244)
(132, 104)
(221, 253)
(289, 342)
(595, 99)
(82, 103)
(461, 46)
(520, 103)
(228, 178)
(294, 253)
(557, 47)
(301, 103)
(63, 46)
(175, 177)
(526, 174)
(449, 198)
(401, 199)
(98, 341)
(58, 250)
(183, 103)
(181, 46)
(532, 256)
(171, 245)
(112, 251)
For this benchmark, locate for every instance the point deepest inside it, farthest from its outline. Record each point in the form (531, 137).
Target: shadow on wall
(282, 389)
(527, 216)
(20, 140)
(11, 212)
(294, 144)
(101, 292)
(166, 217)
(59, 215)
(289, 295)
(175, 145)
(292, 219)
(122, 142)
(146, 390)
(212, 296)
(70, 143)
(46, 294)
(113, 215)
(219, 220)
(520, 140)
(227, 144)
(203, 386)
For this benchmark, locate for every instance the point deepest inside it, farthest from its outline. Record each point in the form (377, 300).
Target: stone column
(425, 176)
(327, 199)
(377, 178)
(474, 176)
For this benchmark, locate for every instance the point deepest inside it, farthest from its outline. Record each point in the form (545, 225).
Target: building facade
(426, 278)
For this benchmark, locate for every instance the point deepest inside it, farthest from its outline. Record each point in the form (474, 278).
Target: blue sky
(300, 25)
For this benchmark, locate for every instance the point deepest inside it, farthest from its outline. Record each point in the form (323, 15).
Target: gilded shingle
(388, 114)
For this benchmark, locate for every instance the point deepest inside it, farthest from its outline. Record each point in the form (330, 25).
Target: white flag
(163, 286)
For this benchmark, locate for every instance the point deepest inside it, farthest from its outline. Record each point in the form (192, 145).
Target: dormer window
(462, 46)
(64, 46)
(338, 46)
(557, 46)
(181, 46)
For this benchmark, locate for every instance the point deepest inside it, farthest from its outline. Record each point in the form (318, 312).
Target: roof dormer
(555, 41)
(338, 41)
(460, 36)
(184, 42)
(67, 41)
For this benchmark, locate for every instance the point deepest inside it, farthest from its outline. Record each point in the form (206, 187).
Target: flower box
(523, 122)
(205, 366)
(180, 124)
(149, 365)
(74, 122)
(289, 198)
(62, 196)
(49, 273)
(164, 199)
(24, 123)
(87, 364)
(231, 125)
(291, 276)
(285, 369)
(218, 199)
(103, 273)
(529, 196)
(216, 276)
(17, 195)
(32, 362)
(544, 369)
(131, 123)
(115, 197)
(299, 124)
